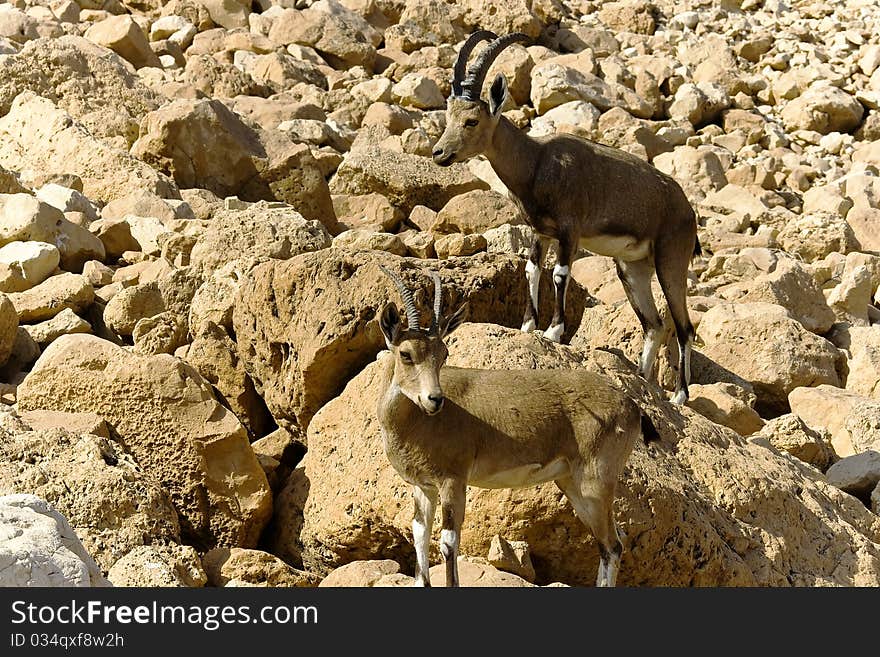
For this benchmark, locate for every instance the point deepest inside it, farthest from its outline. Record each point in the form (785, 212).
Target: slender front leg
(533, 276)
(425, 501)
(452, 503)
(561, 274)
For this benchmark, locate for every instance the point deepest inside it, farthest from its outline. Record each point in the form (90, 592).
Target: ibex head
(418, 352)
(470, 122)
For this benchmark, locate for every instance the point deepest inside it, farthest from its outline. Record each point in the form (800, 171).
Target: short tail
(698, 248)
(649, 431)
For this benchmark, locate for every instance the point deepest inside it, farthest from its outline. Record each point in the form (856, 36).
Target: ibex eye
(407, 358)
(470, 123)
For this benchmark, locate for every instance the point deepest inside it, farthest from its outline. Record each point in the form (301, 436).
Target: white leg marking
(685, 363)
(533, 276)
(649, 354)
(528, 326)
(421, 540)
(559, 273)
(554, 333)
(679, 397)
(449, 544)
(608, 571)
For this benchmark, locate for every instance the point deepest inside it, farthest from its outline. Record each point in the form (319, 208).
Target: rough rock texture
(8, 327)
(789, 433)
(203, 144)
(92, 84)
(299, 347)
(39, 547)
(760, 343)
(159, 565)
(241, 567)
(405, 180)
(257, 233)
(62, 292)
(194, 447)
(702, 508)
(39, 135)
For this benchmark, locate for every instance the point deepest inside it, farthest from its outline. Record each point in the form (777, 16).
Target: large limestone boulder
(24, 218)
(781, 280)
(406, 180)
(167, 416)
(762, 344)
(25, 264)
(39, 547)
(201, 143)
(257, 233)
(65, 291)
(703, 508)
(789, 433)
(300, 348)
(113, 505)
(41, 136)
(476, 212)
(864, 366)
(90, 83)
(825, 109)
(813, 236)
(698, 171)
(853, 421)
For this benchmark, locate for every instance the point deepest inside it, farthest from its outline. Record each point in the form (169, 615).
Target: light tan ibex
(447, 427)
(582, 194)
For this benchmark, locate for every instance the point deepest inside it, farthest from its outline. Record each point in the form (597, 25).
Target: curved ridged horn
(409, 304)
(438, 302)
(464, 54)
(472, 85)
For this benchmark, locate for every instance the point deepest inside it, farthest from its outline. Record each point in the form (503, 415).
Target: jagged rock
(95, 482)
(823, 109)
(853, 421)
(240, 567)
(39, 135)
(124, 36)
(159, 565)
(726, 404)
(762, 344)
(360, 239)
(864, 366)
(57, 293)
(476, 212)
(191, 444)
(63, 323)
(201, 143)
(25, 264)
(405, 180)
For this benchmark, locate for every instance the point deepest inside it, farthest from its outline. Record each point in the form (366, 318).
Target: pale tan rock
(57, 293)
(160, 334)
(99, 486)
(721, 486)
(511, 557)
(241, 567)
(628, 17)
(852, 296)
(237, 160)
(256, 233)
(37, 134)
(159, 566)
(510, 239)
(227, 13)
(864, 365)
(100, 90)
(25, 264)
(63, 323)
(362, 239)
(98, 274)
(115, 235)
(197, 448)
(456, 244)
(850, 418)
(812, 237)
(726, 404)
(858, 474)
(823, 109)
(762, 344)
(791, 434)
(405, 180)
(366, 210)
(360, 573)
(699, 171)
(418, 91)
(476, 212)
(132, 304)
(213, 301)
(125, 37)
(78, 423)
(8, 327)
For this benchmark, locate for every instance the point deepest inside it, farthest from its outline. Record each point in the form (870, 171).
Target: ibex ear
(456, 319)
(389, 322)
(497, 95)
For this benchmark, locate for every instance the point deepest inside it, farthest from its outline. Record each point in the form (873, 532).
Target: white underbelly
(530, 474)
(622, 247)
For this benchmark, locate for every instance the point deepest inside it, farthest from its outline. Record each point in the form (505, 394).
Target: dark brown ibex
(582, 194)
(449, 427)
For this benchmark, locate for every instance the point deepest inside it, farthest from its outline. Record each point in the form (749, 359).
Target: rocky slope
(195, 198)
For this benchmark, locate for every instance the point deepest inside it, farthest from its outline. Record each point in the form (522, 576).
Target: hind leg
(561, 273)
(593, 503)
(533, 276)
(673, 258)
(636, 279)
